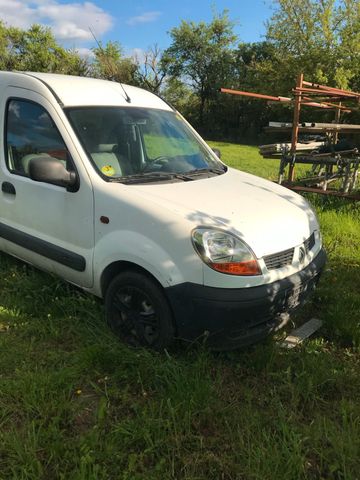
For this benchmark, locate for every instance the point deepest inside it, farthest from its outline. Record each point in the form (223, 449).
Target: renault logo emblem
(302, 255)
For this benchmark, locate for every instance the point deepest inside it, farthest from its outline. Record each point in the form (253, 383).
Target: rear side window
(31, 134)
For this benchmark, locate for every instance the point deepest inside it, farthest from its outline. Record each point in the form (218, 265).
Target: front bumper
(235, 317)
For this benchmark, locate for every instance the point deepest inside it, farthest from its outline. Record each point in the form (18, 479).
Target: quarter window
(31, 134)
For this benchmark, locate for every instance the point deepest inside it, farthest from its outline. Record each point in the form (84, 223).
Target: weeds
(75, 403)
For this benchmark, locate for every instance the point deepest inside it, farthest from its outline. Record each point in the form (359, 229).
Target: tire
(138, 312)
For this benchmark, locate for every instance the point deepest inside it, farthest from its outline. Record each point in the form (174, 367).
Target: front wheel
(138, 312)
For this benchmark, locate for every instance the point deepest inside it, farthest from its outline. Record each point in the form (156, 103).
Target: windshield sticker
(108, 170)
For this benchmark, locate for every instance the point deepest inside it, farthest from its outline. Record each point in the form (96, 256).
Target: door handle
(8, 187)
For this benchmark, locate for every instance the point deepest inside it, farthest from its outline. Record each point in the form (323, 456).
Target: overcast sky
(136, 25)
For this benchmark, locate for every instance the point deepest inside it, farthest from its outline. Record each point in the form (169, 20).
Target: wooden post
(295, 127)
(337, 120)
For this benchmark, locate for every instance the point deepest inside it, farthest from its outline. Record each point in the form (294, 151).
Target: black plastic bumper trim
(237, 316)
(44, 248)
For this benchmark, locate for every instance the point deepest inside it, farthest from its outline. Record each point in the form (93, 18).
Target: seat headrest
(106, 147)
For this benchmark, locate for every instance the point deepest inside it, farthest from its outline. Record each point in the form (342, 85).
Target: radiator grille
(284, 258)
(279, 260)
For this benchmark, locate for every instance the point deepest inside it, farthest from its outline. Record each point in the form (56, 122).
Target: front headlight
(224, 252)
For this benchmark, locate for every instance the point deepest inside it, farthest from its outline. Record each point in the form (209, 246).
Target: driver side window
(31, 133)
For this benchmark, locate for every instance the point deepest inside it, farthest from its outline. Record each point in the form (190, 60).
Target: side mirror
(217, 152)
(50, 170)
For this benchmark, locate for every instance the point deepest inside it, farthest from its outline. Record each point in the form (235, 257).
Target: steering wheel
(158, 162)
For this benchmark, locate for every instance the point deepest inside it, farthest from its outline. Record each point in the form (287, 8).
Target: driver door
(44, 224)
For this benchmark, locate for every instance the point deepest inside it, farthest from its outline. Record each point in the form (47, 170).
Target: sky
(136, 25)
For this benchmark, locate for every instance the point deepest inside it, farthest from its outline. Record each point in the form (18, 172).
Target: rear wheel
(138, 312)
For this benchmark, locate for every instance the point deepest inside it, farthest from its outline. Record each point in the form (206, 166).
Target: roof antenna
(127, 98)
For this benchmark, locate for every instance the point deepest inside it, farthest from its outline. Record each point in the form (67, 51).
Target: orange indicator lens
(237, 268)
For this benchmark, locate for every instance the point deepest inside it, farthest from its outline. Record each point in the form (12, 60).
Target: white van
(110, 188)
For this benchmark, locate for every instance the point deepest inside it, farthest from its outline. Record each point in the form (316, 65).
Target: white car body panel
(145, 232)
(79, 91)
(254, 206)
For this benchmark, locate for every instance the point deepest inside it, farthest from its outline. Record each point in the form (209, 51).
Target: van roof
(83, 91)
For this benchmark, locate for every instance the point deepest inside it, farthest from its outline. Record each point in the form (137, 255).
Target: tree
(111, 64)
(36, 49)
(243, 116)
(318, 37)
(152, 70)
(349, 49)
(201, 55)
(250, 65)
(181, 96)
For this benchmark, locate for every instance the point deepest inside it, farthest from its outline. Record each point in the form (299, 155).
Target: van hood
(268, 217)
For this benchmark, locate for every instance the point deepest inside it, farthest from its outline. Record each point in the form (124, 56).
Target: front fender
(130, 246)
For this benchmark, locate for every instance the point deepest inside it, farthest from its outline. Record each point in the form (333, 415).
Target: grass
(247, 158)
(77, 404)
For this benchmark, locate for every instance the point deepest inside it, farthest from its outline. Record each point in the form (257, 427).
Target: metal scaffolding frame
(333, 167)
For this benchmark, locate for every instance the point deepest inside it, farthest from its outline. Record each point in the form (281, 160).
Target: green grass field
(76, 404)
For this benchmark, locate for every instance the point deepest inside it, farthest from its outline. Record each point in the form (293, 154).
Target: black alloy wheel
(138, 312)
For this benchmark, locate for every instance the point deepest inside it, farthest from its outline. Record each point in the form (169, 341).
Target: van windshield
(135, 145)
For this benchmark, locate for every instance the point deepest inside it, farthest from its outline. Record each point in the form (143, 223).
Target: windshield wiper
(151, 177)
(146, 177)
(201, 171)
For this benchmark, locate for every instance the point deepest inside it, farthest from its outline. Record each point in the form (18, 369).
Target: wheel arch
(120, 266)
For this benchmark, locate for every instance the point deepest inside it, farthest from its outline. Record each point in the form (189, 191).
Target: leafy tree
(110, 64)
(318, 37)
(36, 49)
(243, 116)
(349, 49)
(251, 63)
(200, 54)
(181, 96)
